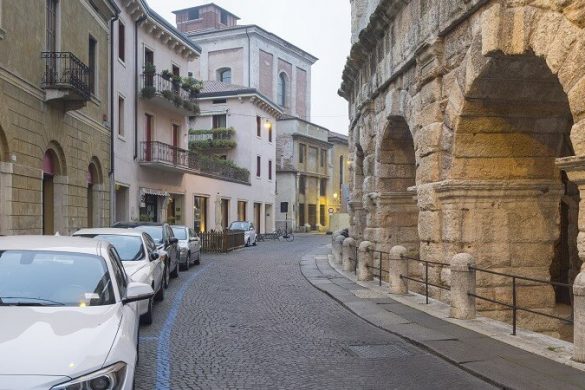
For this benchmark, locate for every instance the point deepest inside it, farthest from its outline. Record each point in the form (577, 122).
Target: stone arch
(55, 151)
(4, 152)
(516, 110)
(95, 194)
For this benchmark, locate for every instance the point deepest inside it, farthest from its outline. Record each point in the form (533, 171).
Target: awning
(148, 191)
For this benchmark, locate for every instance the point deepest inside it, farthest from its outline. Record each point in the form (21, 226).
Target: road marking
(163, 368)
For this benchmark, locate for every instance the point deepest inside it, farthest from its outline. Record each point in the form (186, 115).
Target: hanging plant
(177, 100)
(166, 74)
(148, 92)
(188, 105)
(149, 69)
(168, 94)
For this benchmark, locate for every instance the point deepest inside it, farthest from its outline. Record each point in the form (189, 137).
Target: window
(258, 126)
(281, 92)
(219, 121)
(269, 132)
(121, 41)
(301, 184)
(323, 187)
(301, 214)
(92, 64)
(51, 25)
(258, 165)
(269, 169)
(193, 14)
(200, 214)
(302, 153)
(322, 214)
(176, 72)
(120, 116)
(340, 170)
(224, 75)
(224, 17)
(323, 157)
(148, 60)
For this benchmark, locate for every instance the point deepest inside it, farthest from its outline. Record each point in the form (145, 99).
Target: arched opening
(518, 214)
(3, 146)
(94, 182)
(224, 75)
(50, 170)
(282, 90)
(395, 174)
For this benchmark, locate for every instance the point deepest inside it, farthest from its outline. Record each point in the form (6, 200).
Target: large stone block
(429, 226)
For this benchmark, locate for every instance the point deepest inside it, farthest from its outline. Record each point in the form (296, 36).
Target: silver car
(140, 259)
(189, 246)
(247, 228)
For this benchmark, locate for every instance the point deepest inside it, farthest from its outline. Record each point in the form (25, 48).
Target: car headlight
(109, 378)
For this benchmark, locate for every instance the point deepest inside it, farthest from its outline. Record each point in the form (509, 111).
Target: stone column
(462, 283)
(348, 253)
(338, 248)
(398, 266)
(579, 317)
(365, 260)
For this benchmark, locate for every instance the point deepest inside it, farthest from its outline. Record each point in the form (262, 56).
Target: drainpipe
(136, 25)
(249, 62)
(111, 173)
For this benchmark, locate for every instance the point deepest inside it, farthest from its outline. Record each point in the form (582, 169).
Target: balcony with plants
(214, 140)
(170, 91)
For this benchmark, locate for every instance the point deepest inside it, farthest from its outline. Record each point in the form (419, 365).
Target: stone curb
(503, 365)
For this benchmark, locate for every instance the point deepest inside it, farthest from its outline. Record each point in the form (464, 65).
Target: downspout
(136, 25)
(249, 62)
(111, 173)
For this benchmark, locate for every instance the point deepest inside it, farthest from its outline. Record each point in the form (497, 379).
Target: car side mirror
(137, 292)
(174, 240)
(154, 256)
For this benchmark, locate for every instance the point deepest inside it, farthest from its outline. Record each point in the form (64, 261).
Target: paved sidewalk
(497, 362)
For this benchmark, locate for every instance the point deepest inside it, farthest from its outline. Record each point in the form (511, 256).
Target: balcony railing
(171, 156)
(154, 85)
(64, 71)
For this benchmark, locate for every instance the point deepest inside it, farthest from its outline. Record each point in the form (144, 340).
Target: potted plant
(148, 92)
(176, 80)
(168, 94)
(166, 74)
(177, 100)
(149, 69)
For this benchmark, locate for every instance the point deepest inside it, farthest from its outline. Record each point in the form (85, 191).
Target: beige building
(54, 115)
(466, 135)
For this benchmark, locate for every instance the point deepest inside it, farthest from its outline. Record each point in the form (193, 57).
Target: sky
(320, 27)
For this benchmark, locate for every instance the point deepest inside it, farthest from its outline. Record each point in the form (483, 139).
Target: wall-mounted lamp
(335, 195)
(268, 125)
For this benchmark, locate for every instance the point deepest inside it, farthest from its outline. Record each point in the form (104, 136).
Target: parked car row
(71, 306)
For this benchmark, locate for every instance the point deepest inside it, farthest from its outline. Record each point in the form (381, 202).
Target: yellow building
(54, 115)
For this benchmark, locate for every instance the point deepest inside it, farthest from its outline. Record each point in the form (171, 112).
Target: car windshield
(180, 233)
(46, 278)
(154, 231)
(240, 226)
(129, 248)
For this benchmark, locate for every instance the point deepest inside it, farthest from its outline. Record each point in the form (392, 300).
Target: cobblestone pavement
(249, 320)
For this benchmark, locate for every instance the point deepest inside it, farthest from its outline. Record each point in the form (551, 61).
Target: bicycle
(290, 237)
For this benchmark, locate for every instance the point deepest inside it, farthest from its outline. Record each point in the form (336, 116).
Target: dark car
(165, 239)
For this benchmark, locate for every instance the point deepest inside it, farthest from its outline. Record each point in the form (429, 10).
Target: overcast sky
(320, 27)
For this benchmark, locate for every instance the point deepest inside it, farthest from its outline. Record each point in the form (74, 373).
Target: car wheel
(146, 318)
(255, 241)
(185, 267)
(175, 273)
(248, 242)
(166, 277)
(160, 294)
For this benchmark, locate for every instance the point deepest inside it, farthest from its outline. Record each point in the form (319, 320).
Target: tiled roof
(219, 87)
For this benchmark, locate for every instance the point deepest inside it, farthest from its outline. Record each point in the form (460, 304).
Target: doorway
(313, 216)
(258, 217)
(225, 213)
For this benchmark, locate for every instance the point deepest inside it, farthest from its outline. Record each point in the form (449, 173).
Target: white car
(140, 259)
(189, 246)
(247, 228)
(69, 315)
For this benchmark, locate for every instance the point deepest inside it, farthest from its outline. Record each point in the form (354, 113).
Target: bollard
(579, 317)
(398, 266)
(348, 249)
(365, 259)
(462, 284)
(338, 248)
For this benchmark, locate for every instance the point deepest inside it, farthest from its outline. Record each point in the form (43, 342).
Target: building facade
(238, 127)
(250, 56)
(55, 135)
(152, 111)
(466, 135)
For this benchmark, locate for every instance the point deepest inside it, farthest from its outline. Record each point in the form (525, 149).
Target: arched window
(224, 75)
(281, 93)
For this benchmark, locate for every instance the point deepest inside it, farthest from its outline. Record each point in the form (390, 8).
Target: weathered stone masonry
(468, 135)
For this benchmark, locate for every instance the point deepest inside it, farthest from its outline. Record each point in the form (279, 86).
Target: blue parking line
(163, 368)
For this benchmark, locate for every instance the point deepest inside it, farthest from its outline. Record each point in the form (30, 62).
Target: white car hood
(132, 267)
(59, 341)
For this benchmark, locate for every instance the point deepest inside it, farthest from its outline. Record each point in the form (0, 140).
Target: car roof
(136, 224)
(110, 231)
(51, 243)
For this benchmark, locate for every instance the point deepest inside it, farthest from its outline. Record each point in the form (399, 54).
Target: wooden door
(313, 216)
(48, 205)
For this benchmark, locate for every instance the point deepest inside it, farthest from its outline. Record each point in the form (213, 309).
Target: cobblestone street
(249, 320)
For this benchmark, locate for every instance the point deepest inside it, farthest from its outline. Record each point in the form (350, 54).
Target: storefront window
(200, 214)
